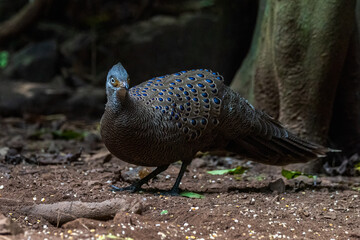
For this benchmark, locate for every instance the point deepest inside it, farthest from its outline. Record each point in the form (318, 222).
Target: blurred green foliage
(4, 59)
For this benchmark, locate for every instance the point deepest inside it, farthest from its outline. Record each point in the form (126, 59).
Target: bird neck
(120, 101)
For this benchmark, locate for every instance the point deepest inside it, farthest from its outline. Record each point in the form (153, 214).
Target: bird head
(117, 83)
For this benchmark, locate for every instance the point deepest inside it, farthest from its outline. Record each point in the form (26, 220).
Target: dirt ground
(47, 160)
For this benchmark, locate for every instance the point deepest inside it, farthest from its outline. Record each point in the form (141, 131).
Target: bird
(172, 117)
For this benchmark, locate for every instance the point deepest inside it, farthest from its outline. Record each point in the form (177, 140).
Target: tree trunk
(301, 49)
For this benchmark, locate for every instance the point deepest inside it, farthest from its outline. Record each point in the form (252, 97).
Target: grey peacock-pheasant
(172, 117)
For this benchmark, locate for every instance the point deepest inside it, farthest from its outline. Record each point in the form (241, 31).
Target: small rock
(198, 163)
(35, 62)
(252, 201)
(278, 186)
(330, 215)
(93, 183)
(8, 227)
(304, 212)
(131, 175)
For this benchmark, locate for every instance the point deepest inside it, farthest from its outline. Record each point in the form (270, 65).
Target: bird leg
(135, 187)
(175, 189)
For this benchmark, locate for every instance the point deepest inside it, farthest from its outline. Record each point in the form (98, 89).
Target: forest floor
(49, 164)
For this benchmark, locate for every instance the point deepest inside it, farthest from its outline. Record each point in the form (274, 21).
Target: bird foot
(172, 192)
(131, 188)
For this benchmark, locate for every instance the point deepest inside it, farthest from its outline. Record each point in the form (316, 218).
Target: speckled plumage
(172, 117)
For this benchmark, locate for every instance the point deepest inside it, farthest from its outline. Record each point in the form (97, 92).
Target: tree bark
(301, 49)
(25, 17)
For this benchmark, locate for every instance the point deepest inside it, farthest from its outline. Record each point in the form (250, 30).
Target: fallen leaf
(237, 170)
(191, 195)
(294, 174)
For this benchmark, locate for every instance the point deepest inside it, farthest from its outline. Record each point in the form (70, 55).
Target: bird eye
(114, 82)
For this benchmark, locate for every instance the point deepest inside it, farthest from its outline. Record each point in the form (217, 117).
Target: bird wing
(188, 100)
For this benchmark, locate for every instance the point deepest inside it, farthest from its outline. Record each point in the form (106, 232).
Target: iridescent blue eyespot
(162, 77)
(172, 88)
(160, 99)
(209, 80)
(156, 84)
(178, 80)
(216, 100)
(203, 121)
(143, 91)
(176, 117)
(144, 94)
(158, 80)
(206, 100)
(206, 106)
(188, 104)
(178, 95)
(156, 107)
(172, 113)
(188, 98)
(220, 78)
(212, 85)
(195, 99)
(161, 84)
(167, 107)
(183, 71)
(214, 90)
(160, 93)
(193, 90)
(181, 107)
(204, 94)
(177, 74)
(186, 93)
(163, 111)
(201, 85)
(169, 99)
(189, 85)
(164, 90)
(148, 84)
(172, 83)
(174, 104)
(191, 78)
(181, 88)
(154, 89)
(160, 107)
(171, 93)
(146, 88)
(193, 122)
(214, 73)
(200, 75)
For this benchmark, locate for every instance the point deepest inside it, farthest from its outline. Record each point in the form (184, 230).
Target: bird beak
(121, 94)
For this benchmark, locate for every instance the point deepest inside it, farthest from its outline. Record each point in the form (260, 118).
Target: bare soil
(40, 166)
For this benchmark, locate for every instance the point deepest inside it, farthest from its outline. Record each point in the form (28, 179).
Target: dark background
(58, 61)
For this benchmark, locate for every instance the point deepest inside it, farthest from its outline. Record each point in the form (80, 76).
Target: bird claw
(131, 188)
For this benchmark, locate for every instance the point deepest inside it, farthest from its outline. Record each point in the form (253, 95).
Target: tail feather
(278, 150)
